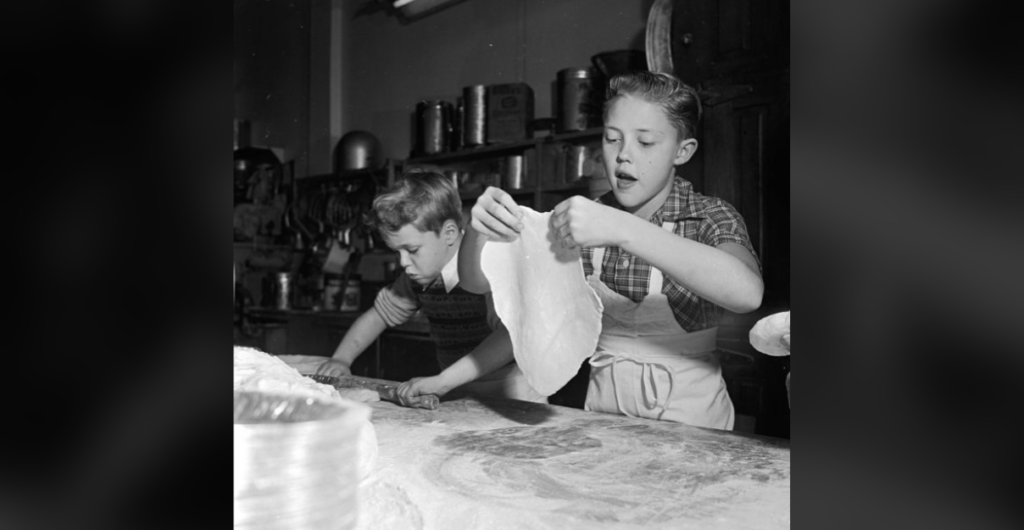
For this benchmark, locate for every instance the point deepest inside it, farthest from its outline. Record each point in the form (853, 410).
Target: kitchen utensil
(387, 392)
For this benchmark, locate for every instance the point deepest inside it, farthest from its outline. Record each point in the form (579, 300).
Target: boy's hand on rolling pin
(496, 215)
(334, 368)
(579, 221)
(419, 386)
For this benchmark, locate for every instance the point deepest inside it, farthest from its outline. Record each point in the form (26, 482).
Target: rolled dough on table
(542, 297)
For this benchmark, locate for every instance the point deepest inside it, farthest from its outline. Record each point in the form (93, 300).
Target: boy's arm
(471, 276)
(363, 332)
(393, 306)
(494, 215)
(726, 274)
(493, 353)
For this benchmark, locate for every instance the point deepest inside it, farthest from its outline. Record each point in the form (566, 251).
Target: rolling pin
(387, 392)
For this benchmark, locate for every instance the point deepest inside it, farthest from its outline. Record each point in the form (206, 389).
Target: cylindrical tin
(283, 290)
(453, 177)
(474, 125)
(577, 103)
(434, 126)
(575, 163)
(511, 169)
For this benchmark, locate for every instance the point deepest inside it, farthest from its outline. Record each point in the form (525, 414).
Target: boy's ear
(685, 151)
(450, 232)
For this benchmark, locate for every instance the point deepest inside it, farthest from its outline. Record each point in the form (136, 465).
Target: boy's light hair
(679, 100)
(426, 199)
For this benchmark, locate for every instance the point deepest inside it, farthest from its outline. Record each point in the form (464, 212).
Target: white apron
(648, 366)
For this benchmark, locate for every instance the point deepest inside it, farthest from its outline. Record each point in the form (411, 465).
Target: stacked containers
(295, 462)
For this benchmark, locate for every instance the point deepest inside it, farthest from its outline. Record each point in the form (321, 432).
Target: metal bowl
(357, 150)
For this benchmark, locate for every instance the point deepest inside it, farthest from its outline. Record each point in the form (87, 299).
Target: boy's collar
(450, 273)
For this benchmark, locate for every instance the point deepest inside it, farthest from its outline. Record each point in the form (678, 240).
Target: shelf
(589, 134)
(328, 178)
(491, 151)
(473, 154)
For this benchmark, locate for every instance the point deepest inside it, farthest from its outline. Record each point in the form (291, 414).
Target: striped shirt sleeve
(398, 302)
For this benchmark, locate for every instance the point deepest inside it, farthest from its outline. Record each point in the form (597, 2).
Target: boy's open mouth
(624, 176)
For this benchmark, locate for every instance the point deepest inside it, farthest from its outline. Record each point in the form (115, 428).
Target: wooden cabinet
(736, 53)
(726, 38)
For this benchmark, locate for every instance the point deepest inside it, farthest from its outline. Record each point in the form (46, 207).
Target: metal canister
(474, 124)
(283, 290)
(434, 124)
(577, 103)
(511, 169)
(576, 163)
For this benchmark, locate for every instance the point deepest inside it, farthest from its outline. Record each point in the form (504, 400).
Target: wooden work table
(505, 464)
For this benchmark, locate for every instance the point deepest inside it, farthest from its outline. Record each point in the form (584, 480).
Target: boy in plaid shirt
(664, 259)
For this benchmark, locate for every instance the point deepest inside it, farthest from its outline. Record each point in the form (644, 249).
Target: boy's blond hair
(679, 100)
(426, 199)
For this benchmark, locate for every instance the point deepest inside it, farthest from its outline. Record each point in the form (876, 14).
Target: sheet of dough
(542, 297)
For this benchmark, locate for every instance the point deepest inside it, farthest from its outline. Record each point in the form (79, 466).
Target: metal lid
(576, 73)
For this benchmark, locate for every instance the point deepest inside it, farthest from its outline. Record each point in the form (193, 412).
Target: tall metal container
(474, 125)
(434, 127)
(577, 100)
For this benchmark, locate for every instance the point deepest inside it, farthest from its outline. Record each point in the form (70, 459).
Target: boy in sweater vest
(420, 218)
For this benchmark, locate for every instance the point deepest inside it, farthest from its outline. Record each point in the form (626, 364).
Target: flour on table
(542, 297)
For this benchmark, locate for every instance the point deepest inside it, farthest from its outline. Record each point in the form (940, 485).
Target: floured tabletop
(504, 464)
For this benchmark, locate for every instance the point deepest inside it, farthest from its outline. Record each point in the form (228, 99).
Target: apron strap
(648, 383)
(657, 278)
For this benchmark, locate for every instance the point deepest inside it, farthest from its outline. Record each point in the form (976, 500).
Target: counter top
(504, 464)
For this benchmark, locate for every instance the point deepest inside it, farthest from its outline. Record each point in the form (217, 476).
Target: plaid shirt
(704, 219)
